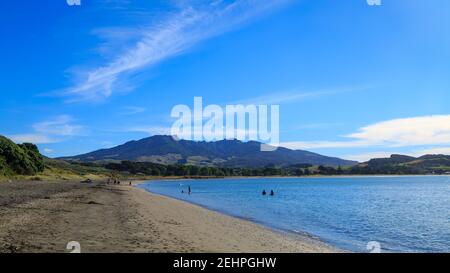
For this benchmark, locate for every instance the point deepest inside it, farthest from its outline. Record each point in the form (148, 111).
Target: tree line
(147, 168)
(154, 169)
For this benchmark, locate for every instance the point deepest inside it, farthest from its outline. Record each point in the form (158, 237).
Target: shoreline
(168, 178)
(43, 216)
(295, 235)
(4, 179)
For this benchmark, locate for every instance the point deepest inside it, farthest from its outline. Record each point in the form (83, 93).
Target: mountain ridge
(223, 153)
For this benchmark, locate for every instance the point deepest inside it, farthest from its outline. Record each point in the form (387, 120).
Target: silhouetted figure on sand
(264, 192)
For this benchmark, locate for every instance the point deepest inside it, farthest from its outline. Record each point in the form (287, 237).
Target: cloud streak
(61, 126)
(32, 138)
(150, 130)
(404, 132)
(170, 37)
(296, 96)
(50, 131)
(132, 110)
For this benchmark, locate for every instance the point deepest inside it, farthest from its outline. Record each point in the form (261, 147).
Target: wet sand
(40, 216)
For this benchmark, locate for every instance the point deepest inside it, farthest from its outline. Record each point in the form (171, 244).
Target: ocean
(401, 214)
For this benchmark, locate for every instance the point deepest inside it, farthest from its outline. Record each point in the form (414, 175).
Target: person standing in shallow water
(272, 193)
(264, 192)
(189, 190)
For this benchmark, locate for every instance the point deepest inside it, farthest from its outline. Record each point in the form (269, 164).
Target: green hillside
(400, 164)
(19, 159)
(24, 161)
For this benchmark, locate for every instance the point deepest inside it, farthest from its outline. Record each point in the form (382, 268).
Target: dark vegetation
(147, 168)
(21, 159)
(396, 164)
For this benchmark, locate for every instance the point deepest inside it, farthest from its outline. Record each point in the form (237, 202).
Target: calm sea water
(403, 214)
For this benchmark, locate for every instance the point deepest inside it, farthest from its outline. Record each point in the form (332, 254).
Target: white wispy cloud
(132, 110)
(293, 96)
(175, 34)
(150, 130)
(403, 132)
(60, 126)
(325, 144)
(32, 138)
(426, 130)
(50, 131)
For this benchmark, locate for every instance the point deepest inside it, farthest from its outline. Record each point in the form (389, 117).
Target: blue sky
(352, 80)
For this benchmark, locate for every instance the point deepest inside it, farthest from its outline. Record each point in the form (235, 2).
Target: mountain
(225, 153)
(401, 164)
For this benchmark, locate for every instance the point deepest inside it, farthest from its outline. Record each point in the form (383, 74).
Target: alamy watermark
(78, 2)
(373, 247)
(241, 122)
(74, 247)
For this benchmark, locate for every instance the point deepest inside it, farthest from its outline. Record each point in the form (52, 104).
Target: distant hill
(401, 164)
(225, 153)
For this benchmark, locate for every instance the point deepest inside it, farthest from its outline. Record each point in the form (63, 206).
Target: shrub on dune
(22, 159)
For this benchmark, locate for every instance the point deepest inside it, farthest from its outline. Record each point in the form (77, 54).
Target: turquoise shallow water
(403, 214)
